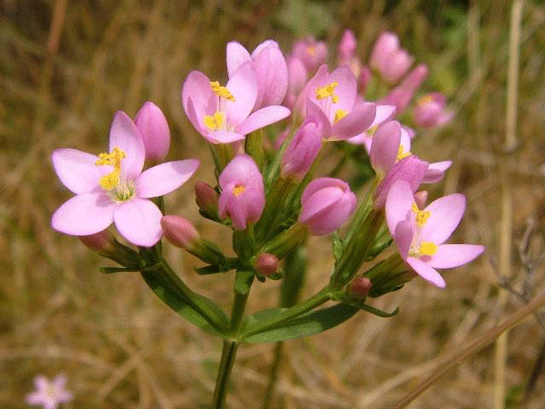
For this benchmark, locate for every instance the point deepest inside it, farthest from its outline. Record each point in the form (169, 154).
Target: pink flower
(383, 113)
(419, 234)
(311, 52)
(389, 59)
(430, 111)
(401, 95)
(270, 68)
(111, 187)
(333, 98)
(153, 127)
(49, 394)
(347, 46)
(222, 114)
(242, 195)
(297, 78)
(326, 205)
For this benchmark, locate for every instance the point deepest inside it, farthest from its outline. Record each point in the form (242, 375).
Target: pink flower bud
(360, 287)
(326, 205)
(100, 242)
(401, 95)
(242, 195)
(388, 59)
(303, 149)
(430, 111)
(266, 264)
(347, 46)
(179, 231)
(153, 127)
(297, 78)
(206, 198)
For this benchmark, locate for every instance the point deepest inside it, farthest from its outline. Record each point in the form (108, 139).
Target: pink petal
(272, 74)
(355, 122)
(77, 170)
(165, 178)
(385, 146)
(403, 237)
(398, 205)
(223, 137)
(125, 135)
(346, 89)
(318, 201)
(426, 272)
(445, 215)
(243, 86)
(236, 55)
(197, 88)
(436, 171)
(263, 117)
(84, 214)
(383, 113)
(454, 255)
(139, 221)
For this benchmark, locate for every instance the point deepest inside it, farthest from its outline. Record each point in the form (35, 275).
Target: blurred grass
(119, 346)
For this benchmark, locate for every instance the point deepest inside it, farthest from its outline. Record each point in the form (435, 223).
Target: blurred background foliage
(67, 66)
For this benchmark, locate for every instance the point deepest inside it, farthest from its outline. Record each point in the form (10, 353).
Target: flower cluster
(268, 128)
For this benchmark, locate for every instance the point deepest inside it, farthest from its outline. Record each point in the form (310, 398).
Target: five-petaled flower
(419, 234)
(111, 187)
(49, 394)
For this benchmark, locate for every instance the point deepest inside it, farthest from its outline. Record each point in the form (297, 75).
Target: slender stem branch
(273, 375)
(228, 354)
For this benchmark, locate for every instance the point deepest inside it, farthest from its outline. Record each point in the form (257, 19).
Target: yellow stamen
(427, 248)
(221, 91)
(328, 91)
(371, 131)
(426, 99)
(215, 122)
(311, 50)
(339, 114)
(111, 159)
(109, 181)
(401, 154)
(421, 216)
(238, 190)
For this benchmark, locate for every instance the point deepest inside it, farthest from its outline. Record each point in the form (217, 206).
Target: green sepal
(337, 245)
(305, 325)
(197, 309)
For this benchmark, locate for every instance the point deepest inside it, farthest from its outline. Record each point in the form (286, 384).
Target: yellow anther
(110, 181)
(339, 114)
(215, 122)
(111, 159)
(371, 131)
(427, 248)
(311, 50)
(426, 99)
(221, 91)
(401, 154)
(421, 216)
(238, 190)
(328, 91)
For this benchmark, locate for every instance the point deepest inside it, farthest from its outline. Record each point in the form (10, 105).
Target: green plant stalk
(228, 355)
(273, 374)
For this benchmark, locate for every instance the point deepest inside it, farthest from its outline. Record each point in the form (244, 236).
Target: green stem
(318, 299)
(228, 354)
(273, 374)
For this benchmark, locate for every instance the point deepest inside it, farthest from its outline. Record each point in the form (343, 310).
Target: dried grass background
(67, 66)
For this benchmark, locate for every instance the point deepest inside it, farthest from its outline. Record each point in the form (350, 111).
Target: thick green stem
(228, 354)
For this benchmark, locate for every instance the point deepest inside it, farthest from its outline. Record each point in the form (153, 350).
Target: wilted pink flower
(222, 114)
(311, 52)
(49, 394)
(326, 205)
(303, 149)
(401, 95)
(333, 98)
(270, 68)
(430, 111)
(242, 195)
(419, 234)
(153, 127)
(111, 187)
(389, 59)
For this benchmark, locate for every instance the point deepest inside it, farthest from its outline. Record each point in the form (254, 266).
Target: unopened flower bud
(347, 46)
(153, 127)
(360, 287)
(391, 61)
(303, 149)
(266, 264)
(100, 242)
(207, 199)
(180, 232)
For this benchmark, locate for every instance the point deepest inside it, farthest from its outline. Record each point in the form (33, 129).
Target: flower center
(328, 91)
(311, 50)
(215, 122)
(426, 99)
(222, 91)
(418, 247)
(238, 190)
(401, 153)
(120, 189)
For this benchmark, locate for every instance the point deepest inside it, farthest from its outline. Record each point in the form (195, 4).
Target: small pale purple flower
(389, 59)
(430, 111)
(242, 197)
(311, 52)
(270, 68)
(111, 187)
(49, 394)
(153, 127)
(221, 114)
(419, 234)
(326, 205)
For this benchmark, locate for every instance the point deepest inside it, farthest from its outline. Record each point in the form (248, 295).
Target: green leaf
(305, 325)
(197, 309)
(207, 270)
(111, 270)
